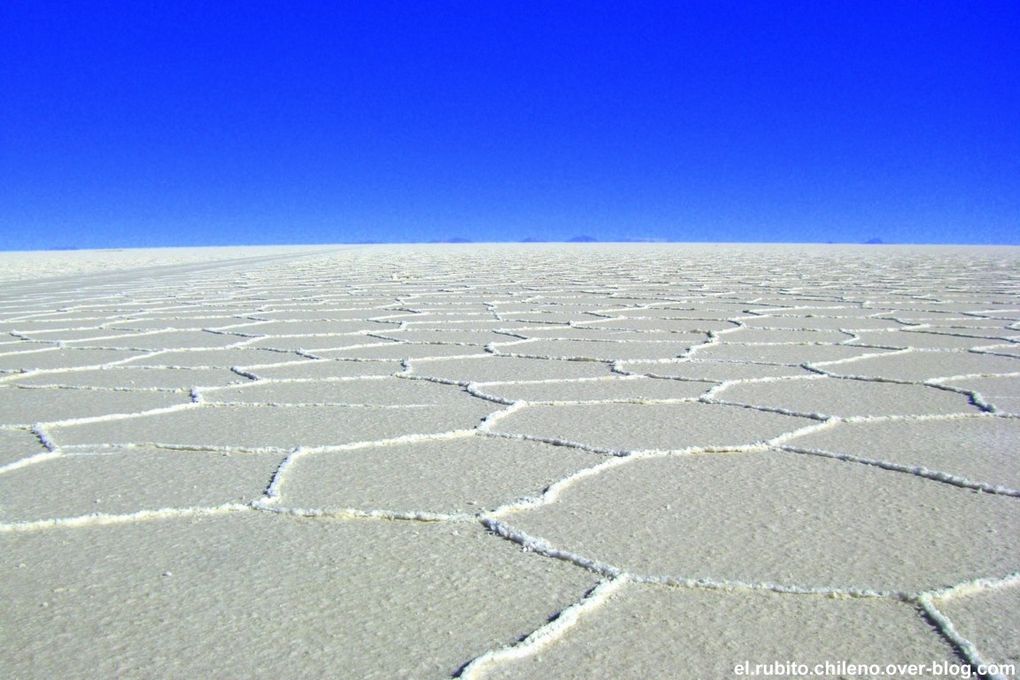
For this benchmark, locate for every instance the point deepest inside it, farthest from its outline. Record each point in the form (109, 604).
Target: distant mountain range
(577, 238)
(580, 238)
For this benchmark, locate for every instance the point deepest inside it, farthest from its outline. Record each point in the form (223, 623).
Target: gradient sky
(179, 123)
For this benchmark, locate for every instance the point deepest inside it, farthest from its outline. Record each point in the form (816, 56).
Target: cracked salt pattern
(704, 634)
(507, 461)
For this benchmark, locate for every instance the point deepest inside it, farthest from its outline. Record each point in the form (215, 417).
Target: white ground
(507, 461)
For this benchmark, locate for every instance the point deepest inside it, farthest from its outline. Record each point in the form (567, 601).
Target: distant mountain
(583, 238)
(452, 239)
(874, 241)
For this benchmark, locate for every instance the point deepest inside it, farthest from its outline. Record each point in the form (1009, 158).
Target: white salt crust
(506, 390)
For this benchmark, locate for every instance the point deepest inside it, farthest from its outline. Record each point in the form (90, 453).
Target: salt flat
(512, 461)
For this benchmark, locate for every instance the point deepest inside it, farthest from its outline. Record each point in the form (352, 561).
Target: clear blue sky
(181, 123)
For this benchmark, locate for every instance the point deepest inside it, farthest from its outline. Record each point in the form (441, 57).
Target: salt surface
(507, 461)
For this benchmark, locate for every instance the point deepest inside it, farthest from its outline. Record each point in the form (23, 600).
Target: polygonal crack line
(632, 454)
(129, 348)
(819, 417)
(32, 459)
(818, 367)
(963, 646)
(54, 450)
(1006, 344)
(466, 386)
(422, 343)
(103, 388)
(40, 350)
(555, 628)
(31, 372)
(270, 498)
(582, 359)
(613, 577)
(915, 470)
(103, 519)
(710, 395)
(975, 398)
(623, 373)
(198, 402)
(271, 494)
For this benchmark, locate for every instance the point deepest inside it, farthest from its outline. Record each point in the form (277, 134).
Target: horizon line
(574, 241)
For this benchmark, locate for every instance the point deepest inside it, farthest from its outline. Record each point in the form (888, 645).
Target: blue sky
(178, 123)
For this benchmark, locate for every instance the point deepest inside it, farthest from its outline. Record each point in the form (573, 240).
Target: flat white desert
(508, 461)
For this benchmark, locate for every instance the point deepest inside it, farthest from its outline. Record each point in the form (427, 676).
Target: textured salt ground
(307, 312)
(135, 378)
(782, 354)
(386, 349)
(465, 319)
(594, 389)
(452, 303)
(49, 358)
(1011, 350)
(601, 351)
(122, 482)
(493, 368)
(547, 317)
(821, 323)
(16, 444)
(72, 264)
(11, 343)
(314, 343)
(951, 323)
(946, 339)
(183, 322)
(275, 426)
(710, 370)
(767, 336)
(1002, 392)
(32, 326)
(463, 475)
(917, 366)
(645, 632)
(847, 398)
(594, 333)
(464, 337)
(985, 450)
(660, 325)
(168, 340)
(270, 596)
(26, 406)
(704, 316)
(305, 327)
(479, 323)
(807, 311)
(756, 518)
(990, 620)
(900, 506)
(625, 427)
(216, 358)
(324, 369)
(76, 336)
(375, 391)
